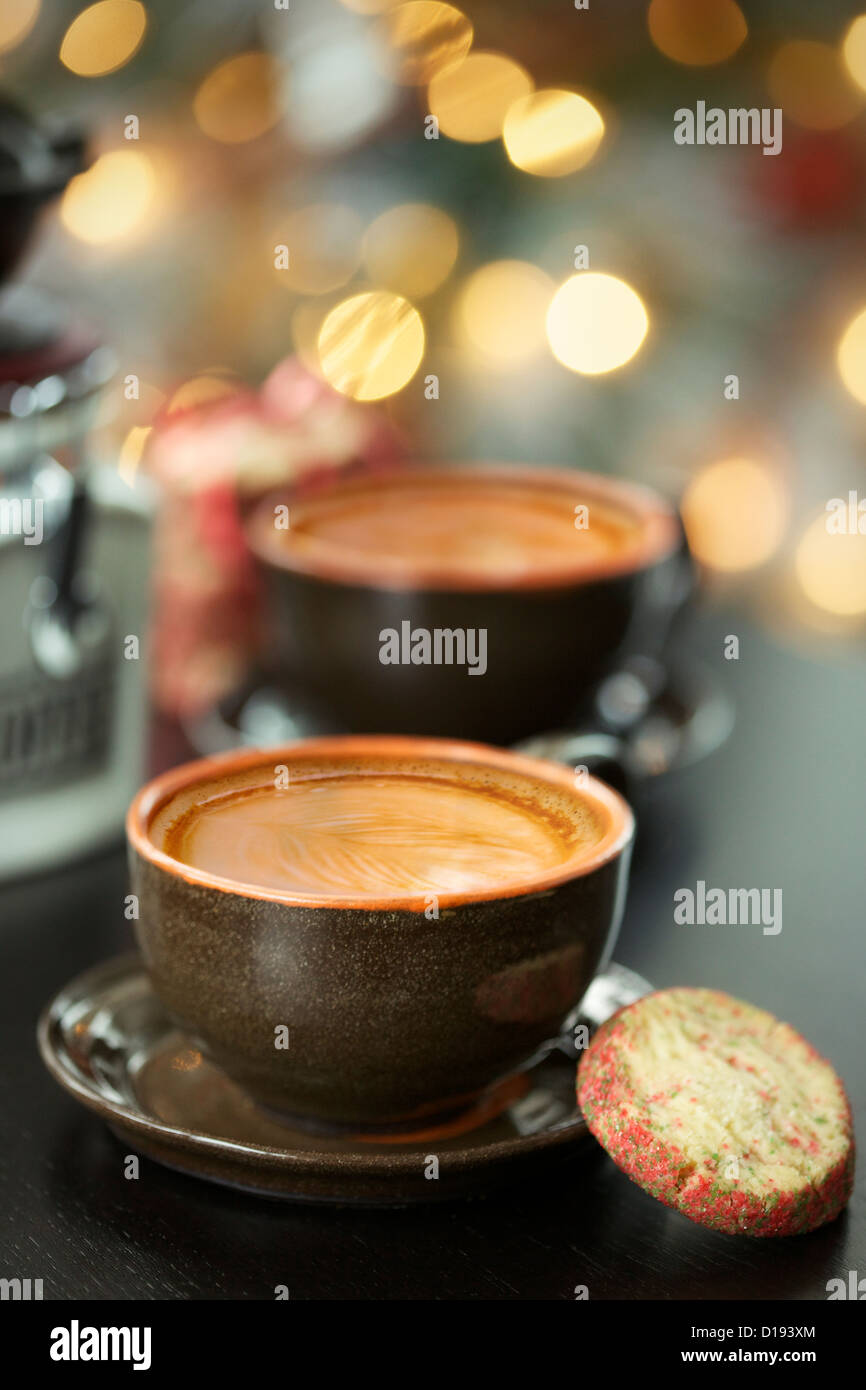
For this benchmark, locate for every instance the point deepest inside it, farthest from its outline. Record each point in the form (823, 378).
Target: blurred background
(328, 233)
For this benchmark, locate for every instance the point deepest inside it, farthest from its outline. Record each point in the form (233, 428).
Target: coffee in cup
(477, 602)
(373, 932)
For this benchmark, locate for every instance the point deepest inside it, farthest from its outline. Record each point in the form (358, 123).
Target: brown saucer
(106, 1039)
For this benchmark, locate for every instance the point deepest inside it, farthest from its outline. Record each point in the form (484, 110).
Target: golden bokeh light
(810, 82)
(697, 32)
(112, 199)
(369, 6)
(17, 18)
(131, 452)
(854, 50)
(204, 389)
(499, 314)
(552, 133)
(411, 248)
(239, 100)
(851, 357)
(596, 323)
(324, 247)
(425, 37)
(103, 37)
(735, 512)
(371, 345)
(471, 100)
(831, 569)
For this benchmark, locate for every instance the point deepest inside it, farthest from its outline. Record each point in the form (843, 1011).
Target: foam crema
(478, 527)
(377, 828)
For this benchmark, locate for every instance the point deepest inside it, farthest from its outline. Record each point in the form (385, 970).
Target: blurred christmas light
(851, 357)
(596, 323)
(132, 451)
(111, 199)
(369, 6)
(17, 18)
(697, 32)
(324, 247)
(854, 50)
(338, 91)
(424, 38)
(831, 568)
(238, 101)
(735, 513)
(471, 100)
(499, 315)
(809, 81)
(213, 385)
(411, 248)
(103, 37)
(371, 345)
(552, 133)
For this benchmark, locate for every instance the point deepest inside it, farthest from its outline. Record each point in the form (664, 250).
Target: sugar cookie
(718, 1109)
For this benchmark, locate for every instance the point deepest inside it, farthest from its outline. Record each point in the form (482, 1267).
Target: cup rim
(660, 538)
(618, 833)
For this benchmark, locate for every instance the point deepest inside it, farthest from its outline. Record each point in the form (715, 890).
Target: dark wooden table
(783, 805)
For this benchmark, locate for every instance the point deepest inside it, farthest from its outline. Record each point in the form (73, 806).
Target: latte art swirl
(375, 835)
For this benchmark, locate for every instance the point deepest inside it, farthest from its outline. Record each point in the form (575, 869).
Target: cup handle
(584, 750)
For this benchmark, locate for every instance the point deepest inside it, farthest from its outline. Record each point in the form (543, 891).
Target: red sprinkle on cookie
(718, 1109)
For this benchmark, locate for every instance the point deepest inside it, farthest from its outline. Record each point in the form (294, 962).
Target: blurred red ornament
(212, 460)
(815, 183)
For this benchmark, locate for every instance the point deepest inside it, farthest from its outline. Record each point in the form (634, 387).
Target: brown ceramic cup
(400, 1012)
(552, 626)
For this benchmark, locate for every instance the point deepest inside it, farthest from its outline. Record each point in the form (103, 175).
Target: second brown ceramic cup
(395, 1018)
(549, 637)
